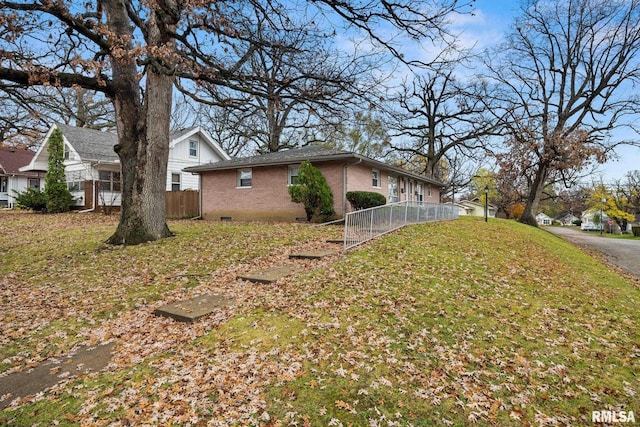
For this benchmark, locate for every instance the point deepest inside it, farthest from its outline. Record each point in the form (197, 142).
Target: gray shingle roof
(311, 153)
(91, 144)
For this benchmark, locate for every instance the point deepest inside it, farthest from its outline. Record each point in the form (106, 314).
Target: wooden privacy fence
(183, 204)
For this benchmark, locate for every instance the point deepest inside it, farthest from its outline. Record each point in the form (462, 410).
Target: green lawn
(439, 324)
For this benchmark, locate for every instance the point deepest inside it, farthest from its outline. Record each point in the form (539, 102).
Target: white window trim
(396, 197)
(193, 156)
(289, 169)
(239, 171)
(179, 182)
(379, 178)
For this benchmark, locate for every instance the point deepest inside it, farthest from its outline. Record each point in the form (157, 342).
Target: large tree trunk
(535, 193)
(143, 136)
(144, 168)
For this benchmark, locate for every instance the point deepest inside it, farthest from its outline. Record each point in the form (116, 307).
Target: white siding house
(544, 219)
(12, 180)
(475, 208)
(591, 220)
(92, 167)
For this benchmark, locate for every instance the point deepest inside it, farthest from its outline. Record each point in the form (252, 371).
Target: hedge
(365, 199)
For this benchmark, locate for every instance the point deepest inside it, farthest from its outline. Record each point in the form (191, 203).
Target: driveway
(620, 252)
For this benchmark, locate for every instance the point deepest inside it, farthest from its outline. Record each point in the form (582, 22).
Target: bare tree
(442, 117)
(133, 52)
(299, 82)
(566, 70)
(28, 114)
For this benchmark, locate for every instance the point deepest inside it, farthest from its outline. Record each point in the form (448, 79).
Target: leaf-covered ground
(439, 324)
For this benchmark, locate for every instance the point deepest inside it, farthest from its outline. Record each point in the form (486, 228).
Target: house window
(375, 178)
(429, 193)
(420, 193)
(75, 181)
(293, 175)
(4, 183)
(175, 182)
(393, 189)
(109, 181)
(67, 152)
(34, 183)
(244, 178)
(193, 148)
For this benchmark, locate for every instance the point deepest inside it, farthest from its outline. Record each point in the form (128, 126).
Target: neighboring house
(589, 218)
(255, 188)
(475, 208)
(544, 219)
(12, 180)
(92, 167)
(568, 218)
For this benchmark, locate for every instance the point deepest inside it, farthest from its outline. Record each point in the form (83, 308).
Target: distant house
(591, 220)
(544, 219)
(475, 208)
(255, 188)
(11, 178)
(92, 168)
(568, 218)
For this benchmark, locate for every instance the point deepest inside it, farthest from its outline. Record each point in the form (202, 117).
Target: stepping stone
(317, 254)
(49, 373)
(194, 308)
(269, 275)
(335, 241)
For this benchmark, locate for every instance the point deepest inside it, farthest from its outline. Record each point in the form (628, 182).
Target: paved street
(620, 252)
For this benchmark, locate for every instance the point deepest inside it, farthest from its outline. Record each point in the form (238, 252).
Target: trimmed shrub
(312, 190)
(365, 199)
(636, 230)
(32, 199)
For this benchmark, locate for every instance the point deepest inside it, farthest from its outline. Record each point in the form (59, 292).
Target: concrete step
(313, 254)
(270, 275)
(194, 308)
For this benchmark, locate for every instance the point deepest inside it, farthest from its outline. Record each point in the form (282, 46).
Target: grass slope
(438, 324)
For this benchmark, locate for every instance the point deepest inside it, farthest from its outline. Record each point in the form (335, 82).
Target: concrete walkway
(47, 374)
(622, 253)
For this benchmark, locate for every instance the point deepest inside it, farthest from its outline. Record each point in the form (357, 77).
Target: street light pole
(602, 201)
(486, 203)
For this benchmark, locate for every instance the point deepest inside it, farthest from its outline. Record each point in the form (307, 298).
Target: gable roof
(12, 159)
(311, 153)
(180, 135)
(97, 146)
(475, 203)
(90, 144)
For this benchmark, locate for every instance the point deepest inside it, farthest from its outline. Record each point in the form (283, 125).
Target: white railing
(361, 226)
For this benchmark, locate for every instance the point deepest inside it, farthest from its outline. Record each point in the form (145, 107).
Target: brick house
(255, 188)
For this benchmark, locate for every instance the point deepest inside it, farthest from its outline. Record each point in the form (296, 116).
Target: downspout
(10, 198)
(344, 186)
(93, 198)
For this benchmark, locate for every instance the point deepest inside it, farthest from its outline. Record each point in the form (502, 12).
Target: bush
(365, 199)
(636, 230)
(32, 199)
(312, 190)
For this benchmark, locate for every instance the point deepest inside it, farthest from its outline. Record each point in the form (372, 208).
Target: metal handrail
(366, 224)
